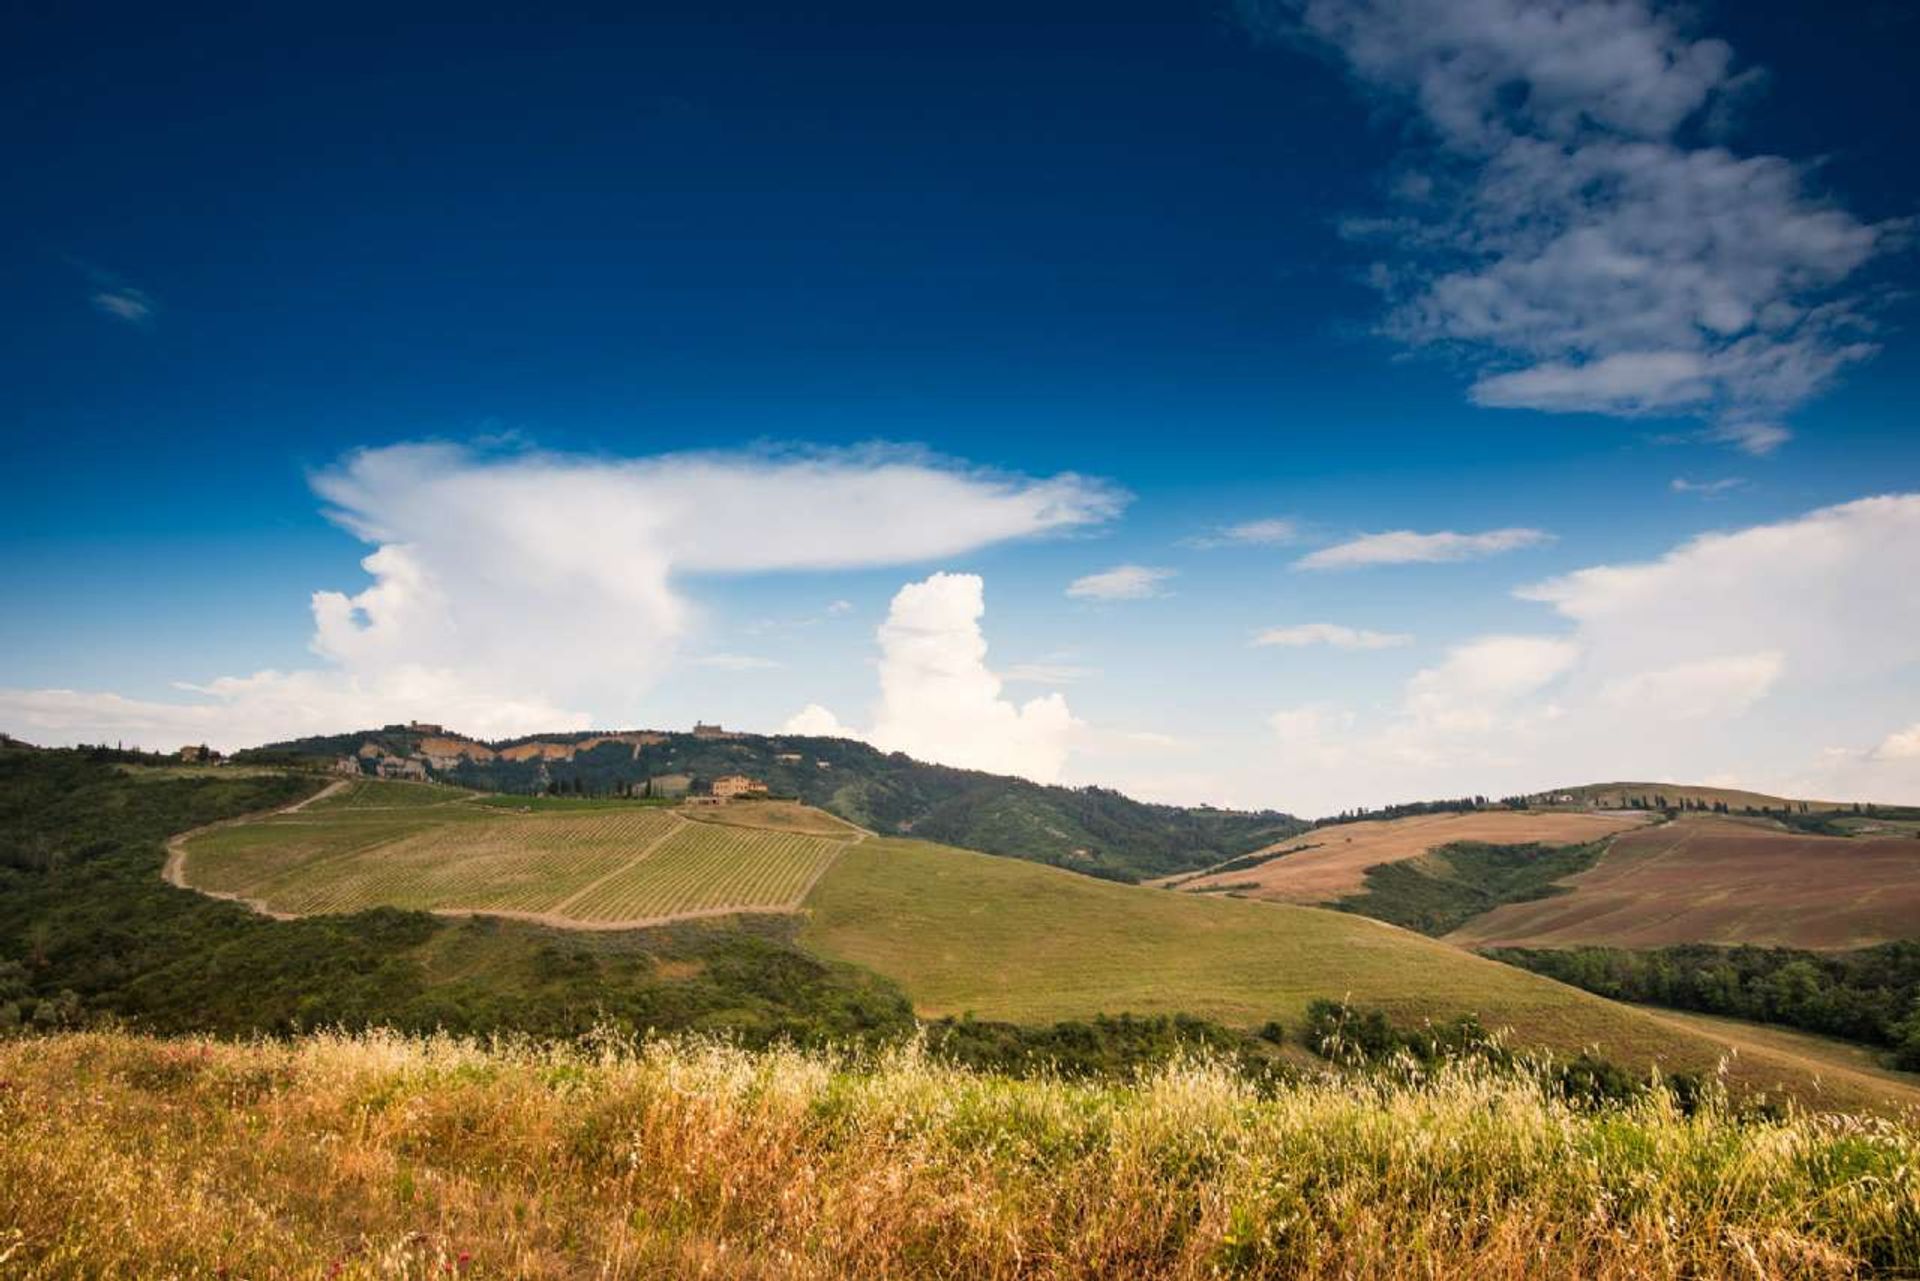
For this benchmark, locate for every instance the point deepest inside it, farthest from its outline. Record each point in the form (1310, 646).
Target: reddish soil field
(1332, 861)
(1710, 880)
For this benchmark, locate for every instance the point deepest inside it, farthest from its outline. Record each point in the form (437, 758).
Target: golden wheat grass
(384, 1156)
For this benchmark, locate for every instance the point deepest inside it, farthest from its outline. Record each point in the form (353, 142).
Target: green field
(1004, 939)
(593, 865)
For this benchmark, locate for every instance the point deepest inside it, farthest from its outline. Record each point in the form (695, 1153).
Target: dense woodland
(1871, 996)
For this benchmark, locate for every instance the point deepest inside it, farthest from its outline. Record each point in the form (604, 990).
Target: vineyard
(595, 866)
(705, 867)
(371, 793)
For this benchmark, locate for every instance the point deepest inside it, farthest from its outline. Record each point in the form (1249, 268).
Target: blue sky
(1284, 262)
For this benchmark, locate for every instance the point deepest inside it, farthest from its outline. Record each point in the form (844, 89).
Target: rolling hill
(959, 932)
(1089, 829)
(1330, 863)
(1711, 879)
(962, 933)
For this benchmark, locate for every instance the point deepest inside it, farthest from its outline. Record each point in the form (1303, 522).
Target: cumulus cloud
(1122, 582)
(538, 591)
(1902, 745)
(1781, 655)
(1561, 228)
(1250, 533)
(815, 721)
(1301, 635)
(939, 701)
(1406, 547)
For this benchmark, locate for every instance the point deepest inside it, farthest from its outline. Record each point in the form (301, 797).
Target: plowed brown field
(1332, 861)
(1709, 880)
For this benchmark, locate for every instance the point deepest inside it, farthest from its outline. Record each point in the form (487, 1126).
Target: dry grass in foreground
(389, 1157)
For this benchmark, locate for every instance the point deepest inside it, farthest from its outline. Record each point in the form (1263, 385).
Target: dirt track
(174, 872)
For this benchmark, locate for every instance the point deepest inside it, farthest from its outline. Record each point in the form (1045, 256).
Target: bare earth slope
(1331, 862)
(1702, 879)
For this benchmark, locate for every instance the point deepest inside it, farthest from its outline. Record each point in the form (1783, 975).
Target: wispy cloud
(123, 303)
(1267, 532)
(1706, 488)
(1301, 635)
(736, 662)
(1122, 582)
(1559, 227)
(1406, 547)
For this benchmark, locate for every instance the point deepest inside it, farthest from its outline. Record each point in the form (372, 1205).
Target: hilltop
(1088, 829)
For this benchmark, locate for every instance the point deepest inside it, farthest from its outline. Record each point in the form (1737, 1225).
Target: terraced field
(595, 866)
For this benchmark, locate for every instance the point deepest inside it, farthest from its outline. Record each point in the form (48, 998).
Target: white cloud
(1046, 673)
(1304, 634)
(1405, 547)
(1901, 745)
(815, 721)
(1743, 654)
(1723, 686)
(123, 303)
(736, 662)
(1479, 682)
(938, 699)
(1252, 533)
(1706, 488)
(512, 594)
(1555, 228)
(1122, 582)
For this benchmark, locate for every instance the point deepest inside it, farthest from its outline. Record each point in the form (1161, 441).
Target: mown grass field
(1005, 939)
(1703, 879)
(386, 1157)
(588, 865)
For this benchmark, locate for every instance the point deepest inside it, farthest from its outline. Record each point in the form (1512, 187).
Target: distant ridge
(1093, 830)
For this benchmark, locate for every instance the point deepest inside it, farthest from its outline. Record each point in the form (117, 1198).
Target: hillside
(1000, 939)
(1713, 879)
(1092, 830)
(1329, 863)
(571, 863)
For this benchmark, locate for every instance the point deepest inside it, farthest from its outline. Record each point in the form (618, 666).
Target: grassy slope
(381, 1157)
(1823, 1055)
(1009, 940)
